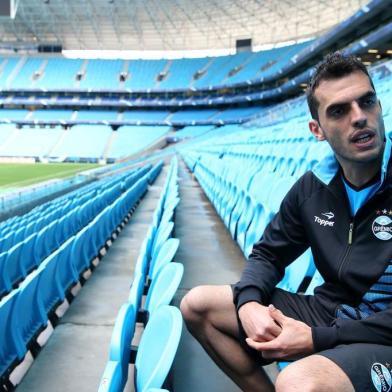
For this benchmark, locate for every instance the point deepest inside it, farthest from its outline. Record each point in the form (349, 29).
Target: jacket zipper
(349, 242)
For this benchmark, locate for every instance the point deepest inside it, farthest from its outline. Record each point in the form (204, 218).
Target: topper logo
(329, 215)
(324, 222)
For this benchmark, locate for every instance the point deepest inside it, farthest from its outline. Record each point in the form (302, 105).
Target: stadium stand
(43, 73)
(42, 290)
(131, 139)
(31, 142)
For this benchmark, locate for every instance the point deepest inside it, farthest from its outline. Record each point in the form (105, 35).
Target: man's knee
(313, 373)
(294, 380)
(193, 304)
(206, 304)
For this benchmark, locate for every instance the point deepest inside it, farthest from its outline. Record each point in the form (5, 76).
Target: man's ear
(316, 130)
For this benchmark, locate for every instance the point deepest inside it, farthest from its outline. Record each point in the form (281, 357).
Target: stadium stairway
(210, 256)
(75, 355)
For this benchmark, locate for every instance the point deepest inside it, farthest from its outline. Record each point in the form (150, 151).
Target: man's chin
(373, 155)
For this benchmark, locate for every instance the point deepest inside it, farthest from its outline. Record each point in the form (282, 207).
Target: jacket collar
(328, 167)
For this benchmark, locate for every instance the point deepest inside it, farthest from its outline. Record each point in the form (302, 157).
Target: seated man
(341, 337)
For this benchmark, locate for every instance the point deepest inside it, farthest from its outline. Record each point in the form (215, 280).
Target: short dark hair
(333, 66)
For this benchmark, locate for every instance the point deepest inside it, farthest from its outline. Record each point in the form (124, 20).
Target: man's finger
(276, 314)
(263, 346)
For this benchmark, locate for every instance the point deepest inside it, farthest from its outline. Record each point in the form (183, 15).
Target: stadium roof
(169, 24)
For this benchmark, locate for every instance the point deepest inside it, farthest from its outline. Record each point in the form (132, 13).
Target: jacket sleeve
(284, 239)
(376, 328)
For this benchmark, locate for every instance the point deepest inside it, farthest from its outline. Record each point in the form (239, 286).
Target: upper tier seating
(58, 73)
(99, 74)
(83, 141)
(31, 142)
(143, 74)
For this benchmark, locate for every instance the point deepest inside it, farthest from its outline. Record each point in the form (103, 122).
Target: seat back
(112, 380)
(158, 347)
(164, 286)
(10, 348)
(163, 233)
(120, 344)
(164, 256)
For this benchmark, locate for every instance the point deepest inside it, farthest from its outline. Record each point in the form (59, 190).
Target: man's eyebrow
(370, 93)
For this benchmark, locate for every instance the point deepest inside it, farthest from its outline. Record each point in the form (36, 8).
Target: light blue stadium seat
(168, 212)
(142, 262)
(120, 344)
(164, 286)
(295, 273)
(245, 220)
(317, 280)
(112, 378)
(256, 228)
(157, 348)
(163, 233)
(236, 213)
(156, 390)
(155, 353)
(137, 290)
(164, 256)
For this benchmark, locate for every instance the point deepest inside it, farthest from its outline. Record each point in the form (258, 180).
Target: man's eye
(368, 102)
(336, 112)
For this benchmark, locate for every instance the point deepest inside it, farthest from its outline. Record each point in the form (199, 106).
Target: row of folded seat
(155, 281)
(246, 178)
(29, 312)
(28, 240)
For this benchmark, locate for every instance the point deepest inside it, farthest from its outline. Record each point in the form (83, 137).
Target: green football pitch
(18, 175)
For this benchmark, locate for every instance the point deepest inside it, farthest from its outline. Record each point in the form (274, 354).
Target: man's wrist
(249, 294)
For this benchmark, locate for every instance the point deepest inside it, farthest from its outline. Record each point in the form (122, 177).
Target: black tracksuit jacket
(353, 254)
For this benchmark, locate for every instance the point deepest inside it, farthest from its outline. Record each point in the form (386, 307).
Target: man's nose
(358, 116)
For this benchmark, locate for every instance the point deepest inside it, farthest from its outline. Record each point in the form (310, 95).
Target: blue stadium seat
(112, 378)
(29, 316)
(162, 235)
(295, 273)
(120, 344)
(317, 280)
(244, 221)
(157, 348)
(164, 286)
(66, 273)
(164, 256)
(13, 264)
(11, 349)
(5, 281)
